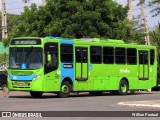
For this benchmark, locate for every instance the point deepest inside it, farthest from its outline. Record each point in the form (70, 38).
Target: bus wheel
(123, 87)
(35, 94)
(65, 90)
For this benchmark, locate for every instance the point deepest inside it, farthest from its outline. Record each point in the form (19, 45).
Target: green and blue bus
(59, 65)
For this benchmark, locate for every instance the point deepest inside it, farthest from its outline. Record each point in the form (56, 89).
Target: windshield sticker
(90, 67)
(23, 66)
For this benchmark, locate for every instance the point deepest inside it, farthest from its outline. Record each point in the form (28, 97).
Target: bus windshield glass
(25, 58)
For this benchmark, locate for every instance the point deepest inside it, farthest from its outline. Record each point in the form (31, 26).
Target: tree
(155, 4)
(155, 36)
(76, 19)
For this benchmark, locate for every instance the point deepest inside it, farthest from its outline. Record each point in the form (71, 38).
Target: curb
(155, 103)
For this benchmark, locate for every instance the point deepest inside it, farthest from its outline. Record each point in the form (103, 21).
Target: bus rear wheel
(36, 94)
(65, 90)
(123, 87)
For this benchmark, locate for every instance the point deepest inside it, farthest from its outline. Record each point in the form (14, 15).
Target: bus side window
(131, 56)
(152, 57)
(96, 54)
(120, 55)
(66, 53)
(51, 57)
(108, 55)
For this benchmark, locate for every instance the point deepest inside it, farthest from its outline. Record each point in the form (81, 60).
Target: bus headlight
(37, 77)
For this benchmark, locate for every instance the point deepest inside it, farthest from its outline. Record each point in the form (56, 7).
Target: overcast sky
(16, 7)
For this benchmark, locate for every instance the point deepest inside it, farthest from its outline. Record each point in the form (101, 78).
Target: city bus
(61, 66)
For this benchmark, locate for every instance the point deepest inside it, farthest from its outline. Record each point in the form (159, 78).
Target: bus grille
(21, 84)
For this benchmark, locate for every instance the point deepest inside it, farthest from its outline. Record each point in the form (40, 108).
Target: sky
(16, 7)
(152, 21)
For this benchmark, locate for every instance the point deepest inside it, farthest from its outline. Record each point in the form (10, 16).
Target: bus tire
(35, 94)
(123, 87)
(64, 90)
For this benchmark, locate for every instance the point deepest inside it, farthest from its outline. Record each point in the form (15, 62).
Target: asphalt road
(22, 101)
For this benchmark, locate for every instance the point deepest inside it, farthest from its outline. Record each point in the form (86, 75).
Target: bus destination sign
(26, 42)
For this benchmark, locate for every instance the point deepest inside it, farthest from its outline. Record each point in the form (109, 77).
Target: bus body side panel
(52, 81)
(117, 72)
(99, 77)
(67, 68)
(132, 76)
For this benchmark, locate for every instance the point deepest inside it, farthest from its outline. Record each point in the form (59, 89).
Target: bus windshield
(25, 58)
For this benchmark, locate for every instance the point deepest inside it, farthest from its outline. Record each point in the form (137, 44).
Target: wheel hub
(124, 88)
(65, 89)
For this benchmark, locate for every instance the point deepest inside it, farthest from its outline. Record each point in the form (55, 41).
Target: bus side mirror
(49, 58)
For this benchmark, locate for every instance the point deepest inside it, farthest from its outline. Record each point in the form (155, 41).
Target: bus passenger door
(51, 76)
(81, 64)
(143, 65)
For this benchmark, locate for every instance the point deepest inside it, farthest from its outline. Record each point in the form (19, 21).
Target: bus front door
(143, 65)
(81, 64)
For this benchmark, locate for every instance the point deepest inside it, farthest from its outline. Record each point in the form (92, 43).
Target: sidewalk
(145, 103)
(152, 103)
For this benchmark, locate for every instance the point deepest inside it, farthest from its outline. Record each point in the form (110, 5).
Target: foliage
(3, 58)
(155, 4)
(77, 19)
(155, 37)
(5, 41)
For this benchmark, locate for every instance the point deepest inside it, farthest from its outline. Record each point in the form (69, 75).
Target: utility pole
(130, 12)
(43, 2)
(145, 27)
(4, 20)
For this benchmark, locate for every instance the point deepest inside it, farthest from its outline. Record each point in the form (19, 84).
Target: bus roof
(101, 40)
(87, 41)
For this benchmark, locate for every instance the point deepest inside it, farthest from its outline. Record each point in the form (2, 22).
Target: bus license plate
(21, 84)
